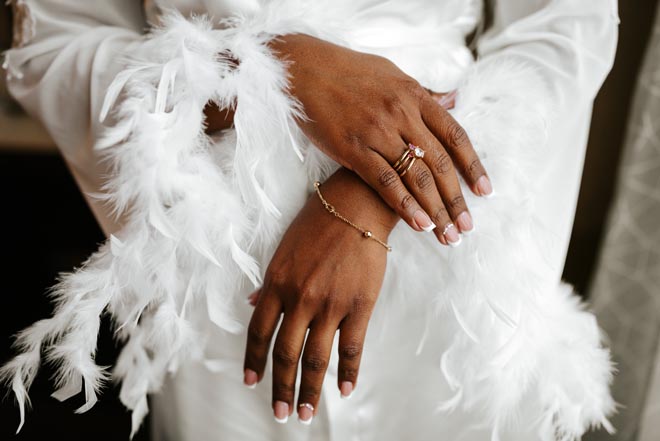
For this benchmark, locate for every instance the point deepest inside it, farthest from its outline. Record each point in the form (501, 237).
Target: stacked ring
(407, 159)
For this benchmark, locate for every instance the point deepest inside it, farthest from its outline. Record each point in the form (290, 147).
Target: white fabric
(76, 52)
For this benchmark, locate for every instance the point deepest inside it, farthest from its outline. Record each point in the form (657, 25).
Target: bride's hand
(325, 276)
(363, 111)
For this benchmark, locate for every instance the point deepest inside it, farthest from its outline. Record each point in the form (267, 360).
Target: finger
(352, 332)
(314, 363)
(263, 323)
(286, 353)
(379, 175)
(421, 183)
(445, 100)
(458, 145)
(446, 179)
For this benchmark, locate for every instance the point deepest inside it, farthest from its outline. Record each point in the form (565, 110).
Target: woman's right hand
(363, 111)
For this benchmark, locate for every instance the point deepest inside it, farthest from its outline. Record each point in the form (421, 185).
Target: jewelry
(407, 159)
(447, 227)
(307, 405)
(410, 164)
(331, 209)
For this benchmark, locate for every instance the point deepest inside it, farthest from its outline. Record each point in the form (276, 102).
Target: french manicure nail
(452, 236)
(281, 410)
(484, 186)
(448, 100)
(250, 378)
(457, 243)
(305, 413)
(423, 221)
(464, 221)
(346, 389)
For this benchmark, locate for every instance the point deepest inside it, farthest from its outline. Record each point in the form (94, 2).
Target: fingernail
(281, 410)
(346, 389)
(464, 221)
(423, 221)
(250, 378)
(484, 186)
(252, 298)
(457, 243)
(447, 101)
(452, 236)
(305, 413)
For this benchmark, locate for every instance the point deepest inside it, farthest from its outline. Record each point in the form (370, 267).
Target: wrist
(355, 200)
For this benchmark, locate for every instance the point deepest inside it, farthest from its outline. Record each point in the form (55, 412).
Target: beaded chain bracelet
(331, 209)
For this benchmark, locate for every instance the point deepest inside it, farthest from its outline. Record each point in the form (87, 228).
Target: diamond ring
(408, 158)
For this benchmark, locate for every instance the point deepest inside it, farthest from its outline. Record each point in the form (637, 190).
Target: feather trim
(523, 335)
(193, 210)
(202, 215)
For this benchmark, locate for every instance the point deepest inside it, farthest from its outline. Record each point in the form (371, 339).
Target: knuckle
(440, 216)
(423, 180)
(283, 391)
(393, 104)
(352, 140)
(350, 351)
(332, 305)
(314, 363)
(308, 293)
(457, 202)
(387, 176)
(456, 135)
(277, 278)
(413, 88)
(474, 167)
(406, 201)
(348, 372)
(285, 356)
(442, 163)
(257, 336)
(376, 122)
(361, 304)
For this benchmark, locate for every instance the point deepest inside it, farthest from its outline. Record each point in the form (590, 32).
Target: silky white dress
(418, 379)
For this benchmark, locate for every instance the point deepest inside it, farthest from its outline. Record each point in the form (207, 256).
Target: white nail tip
(251, 386)
(305, 422)
(457, 243)
(430, 227)
(282, 420)
(346, 397)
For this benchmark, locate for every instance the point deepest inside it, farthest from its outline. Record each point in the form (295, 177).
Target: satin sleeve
(570, 47)
(571, 43)
(65, 55)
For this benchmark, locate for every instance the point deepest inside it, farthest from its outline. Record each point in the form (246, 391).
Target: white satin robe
(69, 53)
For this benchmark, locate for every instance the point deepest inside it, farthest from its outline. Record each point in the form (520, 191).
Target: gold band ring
(407, 159)
(410, 164)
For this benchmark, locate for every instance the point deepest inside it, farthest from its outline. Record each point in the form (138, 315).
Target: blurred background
(614, 256)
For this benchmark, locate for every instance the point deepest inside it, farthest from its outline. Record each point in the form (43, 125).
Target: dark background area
(47, 228)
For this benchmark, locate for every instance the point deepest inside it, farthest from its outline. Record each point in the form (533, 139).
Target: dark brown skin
(324, 275)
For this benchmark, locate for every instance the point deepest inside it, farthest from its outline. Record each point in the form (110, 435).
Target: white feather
(204, 215)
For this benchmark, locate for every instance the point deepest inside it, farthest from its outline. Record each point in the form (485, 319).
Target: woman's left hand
(325, 276)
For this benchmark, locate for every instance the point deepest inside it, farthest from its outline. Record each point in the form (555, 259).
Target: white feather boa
(204, 215)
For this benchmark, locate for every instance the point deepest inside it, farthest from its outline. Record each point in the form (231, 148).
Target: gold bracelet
(331, 209)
